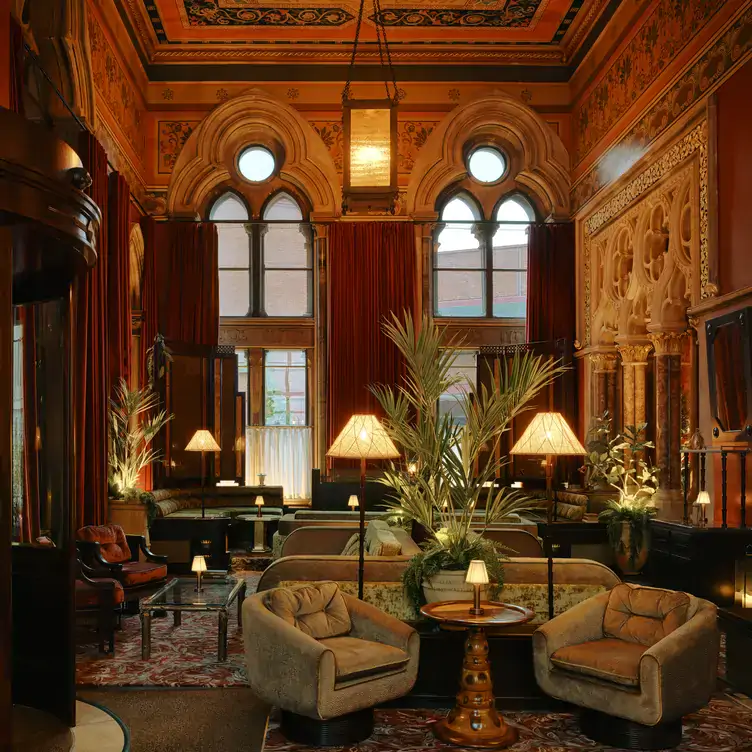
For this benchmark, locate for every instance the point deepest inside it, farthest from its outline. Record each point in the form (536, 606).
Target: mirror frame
(742, 317)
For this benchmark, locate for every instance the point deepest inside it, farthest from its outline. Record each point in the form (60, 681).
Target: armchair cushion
(359, 659)
(316, 610)
(643, 615)
(137, 573)
(88, 596)
(113, 544)
(607, 659)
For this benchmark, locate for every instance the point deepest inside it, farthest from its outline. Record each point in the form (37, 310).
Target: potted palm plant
(449, 488)
(628, 517)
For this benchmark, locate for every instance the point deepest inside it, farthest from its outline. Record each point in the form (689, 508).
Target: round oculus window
(256, 163)
(487, 164)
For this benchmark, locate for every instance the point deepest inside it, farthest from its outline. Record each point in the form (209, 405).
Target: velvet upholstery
(138, 573)
(317, 610)
(328, 678)
(112, 541)
(89, 597)
(676, 674)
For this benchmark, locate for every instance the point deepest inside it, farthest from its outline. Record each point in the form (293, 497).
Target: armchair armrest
(285, 665)
(682, 667)
(91, 552)
(581, 623)
(371, 623)
(138, 543)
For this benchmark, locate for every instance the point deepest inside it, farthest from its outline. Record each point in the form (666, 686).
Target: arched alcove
(136, 261)
(209, 157)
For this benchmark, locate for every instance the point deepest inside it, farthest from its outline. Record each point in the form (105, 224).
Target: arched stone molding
(208, 159)
(539, 159)
(136, 262)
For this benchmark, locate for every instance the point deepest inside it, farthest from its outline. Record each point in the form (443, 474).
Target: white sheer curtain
(283, 453)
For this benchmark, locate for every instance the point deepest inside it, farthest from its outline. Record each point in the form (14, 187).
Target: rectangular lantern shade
(370, 148)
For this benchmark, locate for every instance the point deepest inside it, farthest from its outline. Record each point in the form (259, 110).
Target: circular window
(256, 163)
(487, 164)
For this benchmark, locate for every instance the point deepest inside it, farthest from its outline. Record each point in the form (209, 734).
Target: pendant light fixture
(370, 131)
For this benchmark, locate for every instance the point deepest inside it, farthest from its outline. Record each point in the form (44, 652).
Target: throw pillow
(317, 610)
(352, 547)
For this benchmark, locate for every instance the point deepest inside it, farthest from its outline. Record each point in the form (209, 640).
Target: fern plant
(455, 460)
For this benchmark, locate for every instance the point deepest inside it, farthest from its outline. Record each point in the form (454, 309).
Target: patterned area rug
(184, 656)
(724, 726)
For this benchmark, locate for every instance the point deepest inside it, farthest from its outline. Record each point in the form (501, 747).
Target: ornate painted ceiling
(529, 34)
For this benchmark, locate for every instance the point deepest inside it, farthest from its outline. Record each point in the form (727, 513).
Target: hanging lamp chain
(385, 56)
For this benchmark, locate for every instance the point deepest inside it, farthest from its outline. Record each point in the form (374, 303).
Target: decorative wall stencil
(670, 27)
(411, 137)
(708, 71)
(331, 134)
(213, 13)
(628, 205)
(171, 136)
(114, 87)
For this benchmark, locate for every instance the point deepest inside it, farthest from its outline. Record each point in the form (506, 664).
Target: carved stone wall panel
(481, 334)
(267, 334)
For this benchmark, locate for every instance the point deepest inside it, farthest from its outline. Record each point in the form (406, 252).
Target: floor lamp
(202, 441)
(550, 436)
(363, 438)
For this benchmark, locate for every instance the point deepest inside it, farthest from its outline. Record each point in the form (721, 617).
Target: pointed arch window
(265, 268)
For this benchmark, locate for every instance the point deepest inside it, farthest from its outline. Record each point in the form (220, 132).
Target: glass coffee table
(179, 595)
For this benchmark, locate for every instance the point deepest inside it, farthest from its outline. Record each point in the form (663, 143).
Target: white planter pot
(450, 585)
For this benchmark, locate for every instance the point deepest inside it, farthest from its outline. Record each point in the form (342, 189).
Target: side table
(474, 720)
(259, 530)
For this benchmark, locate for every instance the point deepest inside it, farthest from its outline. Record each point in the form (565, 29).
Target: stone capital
(604, 362)
(635, 354)
(668, 343)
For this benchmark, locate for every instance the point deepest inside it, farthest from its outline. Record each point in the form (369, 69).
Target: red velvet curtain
(551, 282)
(118, 279)
(187, 281)
(372, 273)
(30, 512)
(16, 67)
(92, 356)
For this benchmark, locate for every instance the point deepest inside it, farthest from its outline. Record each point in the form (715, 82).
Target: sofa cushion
(88, 596)
(317, 610)
(137, 573)
(113, 544)
(643, 615)
(193, 512)
(408, 547)
(358, 659)
(352, 547)
(380, 540)
(608, 659)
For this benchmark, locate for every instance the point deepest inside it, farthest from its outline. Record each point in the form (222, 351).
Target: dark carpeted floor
(187, 720)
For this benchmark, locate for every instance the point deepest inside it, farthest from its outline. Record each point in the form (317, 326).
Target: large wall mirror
(730, 374)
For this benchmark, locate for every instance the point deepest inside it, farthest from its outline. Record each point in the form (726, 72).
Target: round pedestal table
(474, 720)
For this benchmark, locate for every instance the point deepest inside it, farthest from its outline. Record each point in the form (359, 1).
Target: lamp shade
(202, 441)
(363, 438)
(199, 564)
(703, 498)
(259, 502)
(548, 434)
(352, 502)
(477, 574)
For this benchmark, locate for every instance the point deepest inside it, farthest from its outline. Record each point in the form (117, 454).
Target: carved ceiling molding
(666, 217)
(207, 160)
(538, 156)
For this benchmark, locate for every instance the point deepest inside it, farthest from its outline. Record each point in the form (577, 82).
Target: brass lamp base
(474, 721)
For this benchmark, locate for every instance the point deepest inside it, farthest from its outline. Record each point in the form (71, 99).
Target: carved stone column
(634, 362)
(668, 351)
(604, 366)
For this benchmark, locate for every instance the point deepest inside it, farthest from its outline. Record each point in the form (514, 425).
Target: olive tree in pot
(628, 517)
(453, 456)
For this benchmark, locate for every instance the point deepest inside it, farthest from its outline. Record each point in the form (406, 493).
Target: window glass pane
(509, 294)
(283, 206)
(460, 293)
(457, 246)
(234, 247)
(487, 164)
(242, 356)
(285, 385)
(466, 366)
(285, 247)
(234, 293)
(510, 257)
(513, 210)
(286, 293)
(229, 206)
(256, 163)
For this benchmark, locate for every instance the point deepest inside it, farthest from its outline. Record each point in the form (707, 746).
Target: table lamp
(363, 438)
(477, 575)
(259, 503)
(352, 502)
(203, 442)
(702, 501)
(549, 435)
(199, 567)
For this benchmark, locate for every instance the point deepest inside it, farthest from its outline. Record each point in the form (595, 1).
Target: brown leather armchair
(101, 598)
(109, 552)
